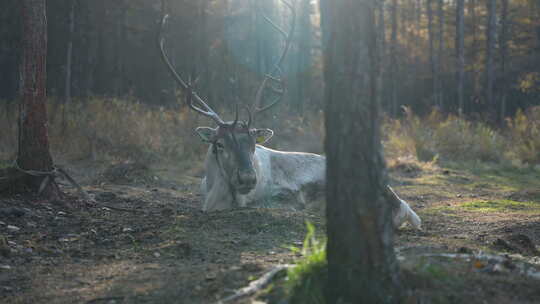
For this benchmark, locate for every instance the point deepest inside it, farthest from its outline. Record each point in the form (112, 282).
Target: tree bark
(490, 48)
(460, 53)
(33, 151)
(362, 267)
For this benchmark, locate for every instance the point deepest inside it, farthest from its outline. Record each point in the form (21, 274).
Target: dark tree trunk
(460, 54)
(474, 45)
(432, 61)
(381, 38)
(362, 267)
(69, 57)
(393, 57)
(440, 13)
(504, 54)
(33, 138)
(303, 57)
(490, 48)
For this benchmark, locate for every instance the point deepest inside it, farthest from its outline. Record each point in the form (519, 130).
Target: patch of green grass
(500, 206)
(432, 271)
(440, 211)
(5, 164)
(500, 177)
(306, 281)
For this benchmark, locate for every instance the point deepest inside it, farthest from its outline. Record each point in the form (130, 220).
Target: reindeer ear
(206, 134)
(262, 135)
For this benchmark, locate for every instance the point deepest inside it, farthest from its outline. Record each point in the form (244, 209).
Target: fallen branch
(96, 300)
(256, 285)
(118, 208)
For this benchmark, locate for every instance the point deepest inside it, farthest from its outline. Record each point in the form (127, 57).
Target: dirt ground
(145, 239)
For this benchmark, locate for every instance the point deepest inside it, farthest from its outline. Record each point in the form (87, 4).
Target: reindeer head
(233, 147)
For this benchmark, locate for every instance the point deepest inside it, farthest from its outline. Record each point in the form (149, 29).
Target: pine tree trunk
(33, 137)
(490, 48)
(460, 53)
(362, 267)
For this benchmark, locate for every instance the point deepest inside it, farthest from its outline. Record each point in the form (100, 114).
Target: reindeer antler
(202, 107)
(275, 74)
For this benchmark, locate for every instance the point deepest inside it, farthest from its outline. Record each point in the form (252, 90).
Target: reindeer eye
(219, 145)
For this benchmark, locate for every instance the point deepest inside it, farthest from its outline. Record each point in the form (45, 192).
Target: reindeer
(240, 172)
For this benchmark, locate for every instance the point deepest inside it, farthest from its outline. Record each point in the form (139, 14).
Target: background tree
(503, 48)
(490, 50)
(432, 59)
(69, 57)
(460, 52)
(440, 92)
(362, 267)
(393, 57)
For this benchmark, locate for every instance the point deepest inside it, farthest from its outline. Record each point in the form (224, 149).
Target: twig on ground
(96, 204)
(97, 300)
(256, 285)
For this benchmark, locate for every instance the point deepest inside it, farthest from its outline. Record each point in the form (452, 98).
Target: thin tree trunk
(393, 57)
(382, 51)
(432, 61)
(440, 13)
(504, 53)
(362, 267)
(490, 48)
(303, 58)
(69, 56)
(460, 53)
(474, 45)
(33, 151)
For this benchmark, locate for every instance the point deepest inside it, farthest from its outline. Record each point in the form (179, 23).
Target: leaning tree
(362, 267)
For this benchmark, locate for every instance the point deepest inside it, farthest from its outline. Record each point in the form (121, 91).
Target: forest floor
(145, 239)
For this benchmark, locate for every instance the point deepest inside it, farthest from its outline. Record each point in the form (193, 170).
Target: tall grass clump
(524, 134)
(448, 138)
(306, 281)
(105, 129)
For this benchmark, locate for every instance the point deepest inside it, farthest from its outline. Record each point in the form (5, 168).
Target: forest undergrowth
(118, 130)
